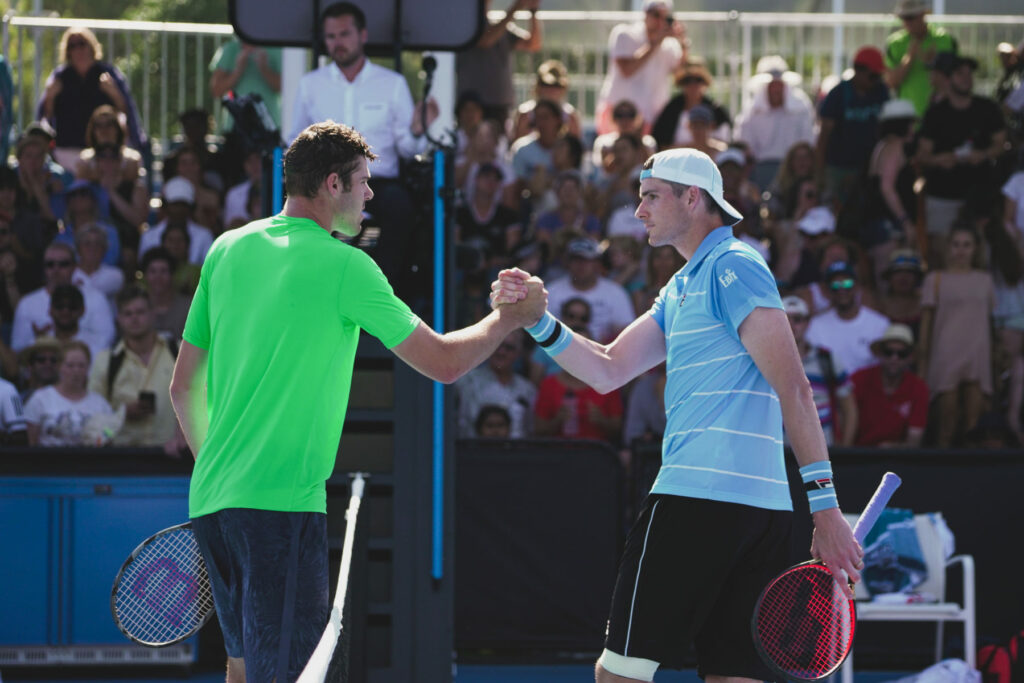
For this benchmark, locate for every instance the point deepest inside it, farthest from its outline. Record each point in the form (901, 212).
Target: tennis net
(329, 663)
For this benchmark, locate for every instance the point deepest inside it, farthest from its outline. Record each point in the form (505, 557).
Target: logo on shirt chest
(728, 277)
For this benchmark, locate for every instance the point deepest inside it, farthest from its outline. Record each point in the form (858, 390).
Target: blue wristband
(821, 492)
(550, 334)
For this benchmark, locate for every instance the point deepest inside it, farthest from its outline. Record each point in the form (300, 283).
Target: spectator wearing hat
(848, 327)
(627, 121)
(67, 306)
(83, 200)
(889, 206)
(32, 316)
(778, 115)
(38, 364)
(830, 384)
(892, 400)
(611, 308)
(798, 248)
(486, 68)
(910, 50)
(955, 341)
(900, 296)
(643, 57)
(552, 84)
(848, 118)
(485, 224)
(179, 196)
(961, 138)
(670, 128)
(700, 122)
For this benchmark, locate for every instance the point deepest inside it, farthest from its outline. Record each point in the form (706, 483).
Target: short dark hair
(130, 293)
(157, 254)
(344, 9)
(710, 205)
(488, 410)
(320, 150)
(68, 293)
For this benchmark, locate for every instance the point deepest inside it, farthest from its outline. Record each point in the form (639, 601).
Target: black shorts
(692, 571)
(269, 575)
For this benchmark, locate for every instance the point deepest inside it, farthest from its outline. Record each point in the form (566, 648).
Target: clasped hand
(519, 294)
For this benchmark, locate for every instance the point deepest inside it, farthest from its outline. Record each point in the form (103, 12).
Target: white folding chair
(929, 537)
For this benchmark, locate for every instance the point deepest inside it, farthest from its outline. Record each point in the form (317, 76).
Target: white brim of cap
(675, 175)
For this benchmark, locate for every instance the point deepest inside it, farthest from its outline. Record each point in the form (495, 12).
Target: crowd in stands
(98, 267)
(889, 204)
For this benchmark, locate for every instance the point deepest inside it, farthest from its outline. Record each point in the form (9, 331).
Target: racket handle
(890, 482)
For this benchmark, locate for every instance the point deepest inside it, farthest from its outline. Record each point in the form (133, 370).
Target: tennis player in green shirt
(261, 386)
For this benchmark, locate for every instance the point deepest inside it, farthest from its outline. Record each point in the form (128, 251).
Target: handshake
(520, 296)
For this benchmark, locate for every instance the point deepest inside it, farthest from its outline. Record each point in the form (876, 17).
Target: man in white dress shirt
(375, 101)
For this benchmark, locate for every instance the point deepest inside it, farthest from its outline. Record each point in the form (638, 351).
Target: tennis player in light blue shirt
(716, 527)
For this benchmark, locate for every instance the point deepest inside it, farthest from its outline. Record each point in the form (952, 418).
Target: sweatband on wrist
(550, 334)
(821, 493)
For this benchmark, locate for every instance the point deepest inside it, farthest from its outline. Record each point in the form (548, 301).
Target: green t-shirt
(251, 81)
(279, 307)
(917, 85)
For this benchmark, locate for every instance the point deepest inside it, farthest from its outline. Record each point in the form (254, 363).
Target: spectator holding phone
(136, 374)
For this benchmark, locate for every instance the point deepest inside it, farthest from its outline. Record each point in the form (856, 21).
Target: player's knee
(614, 668)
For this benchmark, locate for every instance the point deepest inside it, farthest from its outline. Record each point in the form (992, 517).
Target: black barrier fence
(539, 527)
(538, 531)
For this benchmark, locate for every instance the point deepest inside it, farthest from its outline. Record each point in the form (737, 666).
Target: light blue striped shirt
(723, 437)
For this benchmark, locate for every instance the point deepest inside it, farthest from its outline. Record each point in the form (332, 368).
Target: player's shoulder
(736, 254)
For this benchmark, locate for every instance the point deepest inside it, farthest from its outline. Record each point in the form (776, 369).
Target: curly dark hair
(320, 150)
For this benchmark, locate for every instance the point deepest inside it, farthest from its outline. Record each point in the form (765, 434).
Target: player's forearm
(803, 426)
(192, 417)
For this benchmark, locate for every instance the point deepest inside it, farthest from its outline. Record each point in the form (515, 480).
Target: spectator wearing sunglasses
(892, 400)
(848, 328)
(671, 128)
(32, 316)
(38, 366)
(626, 120)
(849, 124)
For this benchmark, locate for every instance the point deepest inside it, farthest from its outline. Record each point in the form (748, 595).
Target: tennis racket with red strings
(803, 623)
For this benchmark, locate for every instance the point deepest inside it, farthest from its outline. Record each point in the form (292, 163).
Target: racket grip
(890, 482)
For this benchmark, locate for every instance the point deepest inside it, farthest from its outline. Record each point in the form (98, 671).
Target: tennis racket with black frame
(803, 624)
(162, 594)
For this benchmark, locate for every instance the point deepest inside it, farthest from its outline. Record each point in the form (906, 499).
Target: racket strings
(164, 594)
(805, 623)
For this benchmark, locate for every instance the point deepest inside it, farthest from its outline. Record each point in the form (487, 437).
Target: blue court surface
(465, 673)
